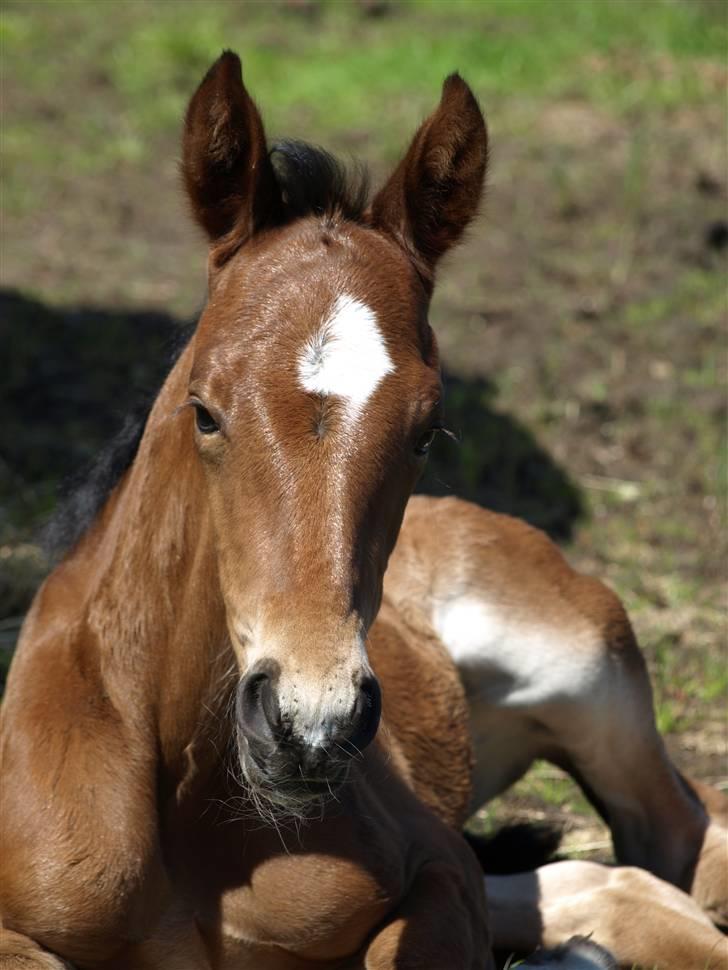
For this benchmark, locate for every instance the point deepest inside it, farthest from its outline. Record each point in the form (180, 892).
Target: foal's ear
(225, 164)
(435, 190)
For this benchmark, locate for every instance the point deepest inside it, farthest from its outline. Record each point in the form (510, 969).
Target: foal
(215, 617)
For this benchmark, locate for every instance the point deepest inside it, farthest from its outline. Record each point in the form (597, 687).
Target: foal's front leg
(642, 920)
(18, 952)
(434, 926)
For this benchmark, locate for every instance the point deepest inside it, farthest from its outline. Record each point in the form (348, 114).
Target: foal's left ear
(435, 190)
(227, 171)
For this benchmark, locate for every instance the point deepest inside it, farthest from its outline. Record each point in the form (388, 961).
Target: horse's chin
(278, 793)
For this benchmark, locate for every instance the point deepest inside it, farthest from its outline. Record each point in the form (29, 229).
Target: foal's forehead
(335, 312)
(292, 281)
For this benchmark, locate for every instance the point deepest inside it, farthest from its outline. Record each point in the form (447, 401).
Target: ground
(582, 324)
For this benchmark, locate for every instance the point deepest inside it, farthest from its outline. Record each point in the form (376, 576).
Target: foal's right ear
(434, 192)
(227, 171)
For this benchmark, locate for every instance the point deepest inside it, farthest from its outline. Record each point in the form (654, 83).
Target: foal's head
(315, 394)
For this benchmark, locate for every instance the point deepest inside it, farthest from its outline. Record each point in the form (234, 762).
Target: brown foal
(222, 745)
(201, 656)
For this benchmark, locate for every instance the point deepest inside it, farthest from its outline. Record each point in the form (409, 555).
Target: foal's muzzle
(284, 754)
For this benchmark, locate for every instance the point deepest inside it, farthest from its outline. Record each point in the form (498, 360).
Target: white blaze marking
(347, 357)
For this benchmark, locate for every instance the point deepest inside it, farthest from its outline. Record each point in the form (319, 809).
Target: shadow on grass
(498, 463)
(72, 375)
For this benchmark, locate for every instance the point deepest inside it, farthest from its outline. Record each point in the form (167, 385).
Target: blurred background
(583, 324)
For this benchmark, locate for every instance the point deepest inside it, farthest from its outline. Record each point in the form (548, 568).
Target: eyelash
(424, 442)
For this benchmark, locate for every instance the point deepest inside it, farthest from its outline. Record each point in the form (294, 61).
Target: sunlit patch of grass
(315, 72)
(553, 787)
(683, 681)
(545, 792)
(695, 292)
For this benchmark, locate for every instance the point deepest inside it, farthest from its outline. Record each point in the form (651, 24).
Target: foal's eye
(205, 422)
(425, 441)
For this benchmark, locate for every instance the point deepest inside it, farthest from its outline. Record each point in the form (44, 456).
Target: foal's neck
(152, 556)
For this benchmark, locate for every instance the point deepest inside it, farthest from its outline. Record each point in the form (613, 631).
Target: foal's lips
(288, 779)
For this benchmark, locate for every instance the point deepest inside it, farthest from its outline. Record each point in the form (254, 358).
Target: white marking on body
(347, 357)
(514, 664)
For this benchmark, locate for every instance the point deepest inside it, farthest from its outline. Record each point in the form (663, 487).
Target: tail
(519, 847)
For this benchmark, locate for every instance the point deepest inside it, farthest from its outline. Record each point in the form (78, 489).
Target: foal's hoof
(578, 953)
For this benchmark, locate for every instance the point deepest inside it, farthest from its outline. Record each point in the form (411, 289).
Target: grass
(583, 325)
(544, 788)
(316, 72)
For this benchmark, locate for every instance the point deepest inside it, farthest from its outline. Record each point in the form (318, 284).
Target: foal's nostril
(365, 717)
(257, 707)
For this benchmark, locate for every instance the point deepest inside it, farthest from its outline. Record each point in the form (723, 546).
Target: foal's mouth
(279, 782)
(296, 763)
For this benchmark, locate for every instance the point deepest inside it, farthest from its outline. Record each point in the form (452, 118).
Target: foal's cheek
(397, 505)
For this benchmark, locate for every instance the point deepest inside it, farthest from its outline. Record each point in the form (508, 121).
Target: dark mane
(83, 495)
(313, 182)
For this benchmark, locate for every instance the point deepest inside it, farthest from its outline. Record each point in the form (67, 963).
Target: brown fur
(19, 953)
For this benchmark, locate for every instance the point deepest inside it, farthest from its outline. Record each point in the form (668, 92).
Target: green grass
(549, 785)
(696, 293)
(314, 74)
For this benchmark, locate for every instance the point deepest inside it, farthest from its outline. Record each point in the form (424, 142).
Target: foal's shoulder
(424, 710)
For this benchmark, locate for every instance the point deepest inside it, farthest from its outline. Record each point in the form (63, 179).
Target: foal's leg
(587, 707)
(18, 952)
(552, 670)
(433, 927)
(642, 920)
